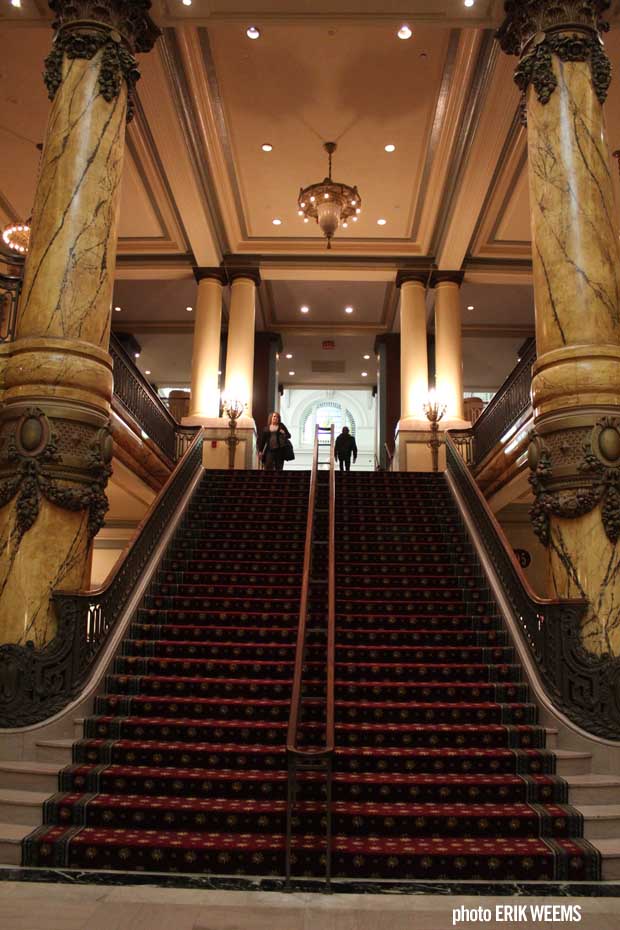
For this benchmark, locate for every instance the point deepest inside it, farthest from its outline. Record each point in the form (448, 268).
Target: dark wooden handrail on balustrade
(507, 406)
(319, 757)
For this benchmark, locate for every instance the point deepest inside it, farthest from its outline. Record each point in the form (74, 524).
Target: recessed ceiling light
(405, 32)
(288, 355)
(367, 357)
(252, 32)
(471, 307)
(136, 355)
(305, 309)
(118, 309)
(364, 374)
(189, 309)
(390, 147)
(348, 309)
(306, 220)
(381, 222)
(354, 218)
(291, 373)
(277, 222)
(267, 147)
(16, 3)
(148, 370)
(187, 2)
(468, 2)
(345, 225)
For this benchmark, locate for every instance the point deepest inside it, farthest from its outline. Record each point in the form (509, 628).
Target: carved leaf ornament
(599, 482)
(32, 448)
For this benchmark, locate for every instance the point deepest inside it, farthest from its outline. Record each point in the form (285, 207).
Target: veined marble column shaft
(240, 350)
(413, 351)
(575, 453)
(205, 393)
(448, 344)
(55, 446)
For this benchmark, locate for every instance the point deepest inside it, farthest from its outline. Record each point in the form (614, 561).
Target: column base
(411, 443)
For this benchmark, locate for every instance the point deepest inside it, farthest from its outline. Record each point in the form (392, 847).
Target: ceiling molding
(153, 267)
(143, 152)
(187, 173)
(469, 121)
(496, 105)
(508, 172)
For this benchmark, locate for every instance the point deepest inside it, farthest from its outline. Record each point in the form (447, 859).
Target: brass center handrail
(321, 756)
(293, 720)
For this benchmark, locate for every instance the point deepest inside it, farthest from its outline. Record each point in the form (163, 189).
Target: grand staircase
(441, 769)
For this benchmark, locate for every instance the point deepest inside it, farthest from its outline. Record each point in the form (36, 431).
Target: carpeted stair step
(450, 736)
(236, 665)
(223, 689)
(427, 671)
(200, 708)
(438, 637)
(419, 654)
(431, 692)
(395, 712)
(263, 854)
(199, 641)
(179, 754)
(498, 819)
(148, 812)
(172, 782)
(163, 616)
(249, 731)
(436, 763)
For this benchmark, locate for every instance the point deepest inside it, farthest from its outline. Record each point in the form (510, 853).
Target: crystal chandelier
(329, 203)
(17, 237)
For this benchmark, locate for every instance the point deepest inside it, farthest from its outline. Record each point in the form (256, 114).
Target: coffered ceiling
(199, 190)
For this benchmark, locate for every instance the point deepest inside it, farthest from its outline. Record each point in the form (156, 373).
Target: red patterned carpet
(441, 769)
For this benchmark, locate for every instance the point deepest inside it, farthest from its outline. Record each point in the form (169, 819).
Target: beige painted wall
(515, 522)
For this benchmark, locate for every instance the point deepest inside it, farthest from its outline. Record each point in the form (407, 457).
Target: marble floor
(41, 906)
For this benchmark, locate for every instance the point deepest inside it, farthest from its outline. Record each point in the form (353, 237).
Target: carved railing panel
(142, 402)
(35, 684)
(583, 686)
(510, 403)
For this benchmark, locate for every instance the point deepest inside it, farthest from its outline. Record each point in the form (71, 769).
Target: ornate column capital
(405, 275)
(570, 29)
(215, 274)
(443, 277)
(118, 28)
(251, 273)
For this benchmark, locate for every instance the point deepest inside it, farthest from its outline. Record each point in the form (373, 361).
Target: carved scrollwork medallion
(37, 467)
(568, 487)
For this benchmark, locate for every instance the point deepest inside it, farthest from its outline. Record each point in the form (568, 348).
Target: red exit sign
(329, 344)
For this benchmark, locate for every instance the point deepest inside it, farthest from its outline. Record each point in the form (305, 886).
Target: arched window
(324, 413)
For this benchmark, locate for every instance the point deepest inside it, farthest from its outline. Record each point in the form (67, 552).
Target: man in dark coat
(345, 448)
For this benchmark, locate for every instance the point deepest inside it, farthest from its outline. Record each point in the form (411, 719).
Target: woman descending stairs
(440, 768)
(182, 766)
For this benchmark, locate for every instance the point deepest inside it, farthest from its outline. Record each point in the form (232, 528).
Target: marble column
(448, 342)
(574, 455)
(55, 444)
(205, 391)
(413, 353)
(241, 325)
